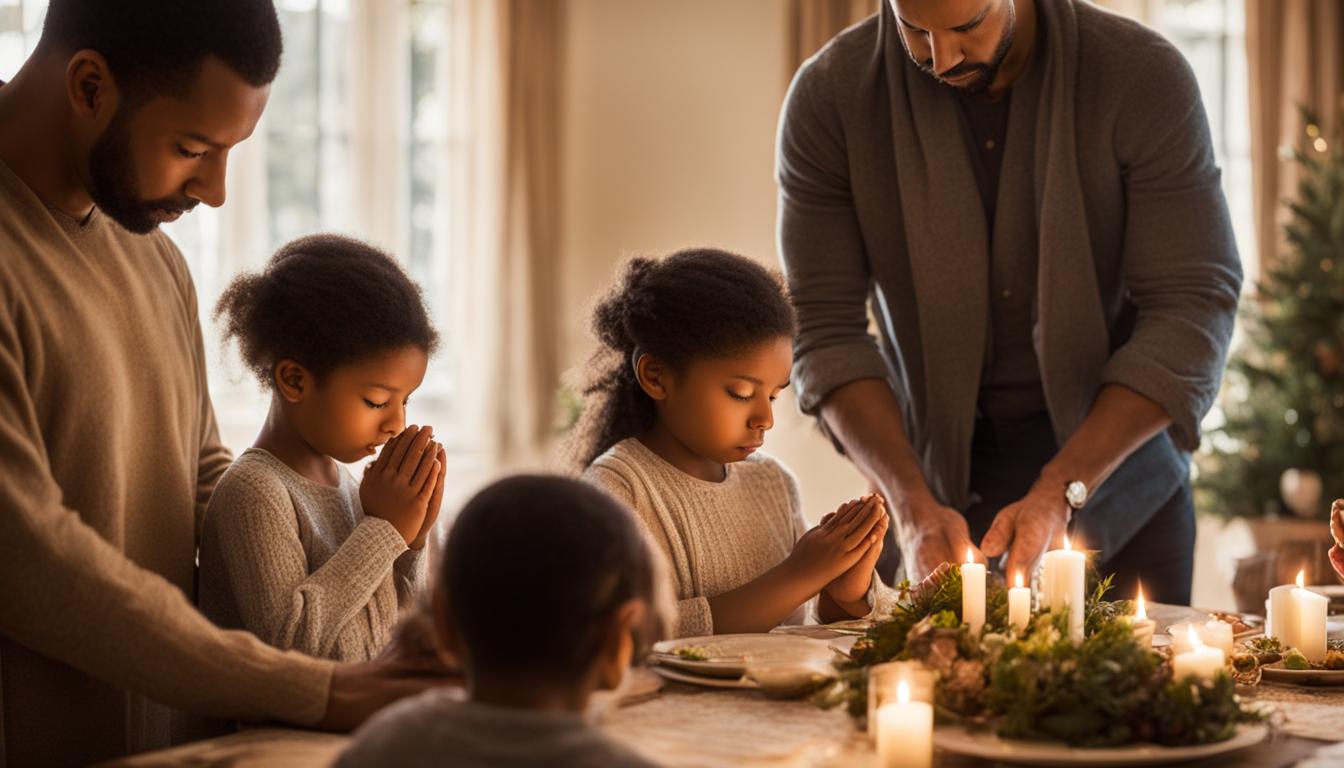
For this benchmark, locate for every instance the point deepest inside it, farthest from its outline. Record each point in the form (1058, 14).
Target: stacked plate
(779, 664)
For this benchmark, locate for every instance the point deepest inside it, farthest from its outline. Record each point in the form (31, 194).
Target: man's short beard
(112, 179)
(985, 72)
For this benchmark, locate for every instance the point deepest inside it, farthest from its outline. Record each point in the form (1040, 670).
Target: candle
(1296, 616)
(905, 731)
(1142, 625)
(1019, 605)
(1200, 662)
(1310, 609)
(1063, 582)
(973, 593)
(1214, 633)
(1280, 620)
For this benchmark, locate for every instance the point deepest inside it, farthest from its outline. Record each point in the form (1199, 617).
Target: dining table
(679, 724)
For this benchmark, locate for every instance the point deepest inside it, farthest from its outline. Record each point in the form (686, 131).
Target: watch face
(1076, 493)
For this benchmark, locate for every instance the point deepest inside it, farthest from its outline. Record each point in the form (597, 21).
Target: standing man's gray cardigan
(1138, 270)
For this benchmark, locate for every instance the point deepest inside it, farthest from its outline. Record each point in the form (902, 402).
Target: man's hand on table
(1026, 528)
(408, 666)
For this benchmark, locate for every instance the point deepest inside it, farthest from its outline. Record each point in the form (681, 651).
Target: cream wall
(669, 127)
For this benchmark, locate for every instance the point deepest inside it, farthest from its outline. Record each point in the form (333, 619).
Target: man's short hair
(156, 47)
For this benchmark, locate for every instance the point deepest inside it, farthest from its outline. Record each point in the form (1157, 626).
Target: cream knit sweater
(716, 536)
(298, 564)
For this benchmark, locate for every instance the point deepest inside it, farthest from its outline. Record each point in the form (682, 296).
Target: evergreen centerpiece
(1283, 396)
(1109, 690)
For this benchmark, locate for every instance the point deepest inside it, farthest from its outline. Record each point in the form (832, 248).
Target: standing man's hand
(1025, 529)
(1337, 531)
(931, 534)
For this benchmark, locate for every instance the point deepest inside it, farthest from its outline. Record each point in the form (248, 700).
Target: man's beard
(112, 182)
(986, 71)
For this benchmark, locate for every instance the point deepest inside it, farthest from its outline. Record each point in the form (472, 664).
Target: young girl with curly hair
(695, 349)
(294, 548)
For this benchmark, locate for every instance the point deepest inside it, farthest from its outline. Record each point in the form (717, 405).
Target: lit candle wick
(1066, 543)
(1019, 579)
(902, 692)
(1301, 578)
(1141, 612)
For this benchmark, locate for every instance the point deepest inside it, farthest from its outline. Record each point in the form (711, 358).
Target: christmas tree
(1283, 397)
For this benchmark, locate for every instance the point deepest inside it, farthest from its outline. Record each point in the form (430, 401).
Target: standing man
(123, 119)
(1025, 195)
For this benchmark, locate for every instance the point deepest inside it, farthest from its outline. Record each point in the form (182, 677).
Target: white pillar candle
(1200, 662)
(1019, 606)
(973, 594)
(1280, 620)
(1216, 634)
(905, 731)
(1063, 583)
(1141, 624)
(1310, 609)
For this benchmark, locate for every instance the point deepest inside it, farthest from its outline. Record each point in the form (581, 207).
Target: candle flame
(1066, 543)
(1141, 611)
(1195, 643)
(970, 558)
(1019, 579)
(903, 692)
(1301, 578)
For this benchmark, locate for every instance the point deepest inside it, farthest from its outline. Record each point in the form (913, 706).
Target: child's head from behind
(339, 333)
(547, 579)
(700, 343)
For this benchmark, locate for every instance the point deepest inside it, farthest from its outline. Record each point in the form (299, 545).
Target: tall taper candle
(973, 593)
(1019, 606)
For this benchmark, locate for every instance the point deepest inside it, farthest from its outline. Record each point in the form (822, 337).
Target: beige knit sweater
(299, 564)
(716, 536)
(108, 453)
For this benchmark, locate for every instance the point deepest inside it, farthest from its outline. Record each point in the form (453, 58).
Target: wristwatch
(1075, 493)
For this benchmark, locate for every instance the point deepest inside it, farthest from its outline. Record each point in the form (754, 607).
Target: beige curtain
(530, 365)
(501, 214)
(1295, 57)
(813, 22)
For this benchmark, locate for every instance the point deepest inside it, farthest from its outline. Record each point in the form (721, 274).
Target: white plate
(986, 745)
(708, 682)
(728, 653)
(1275, 673)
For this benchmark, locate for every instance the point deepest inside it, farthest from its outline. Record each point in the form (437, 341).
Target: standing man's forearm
(1119, 422)
(865, 418)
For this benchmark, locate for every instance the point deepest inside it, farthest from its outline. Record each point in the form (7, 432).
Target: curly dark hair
(323, 301)
(550, 525)
(157, 46)
(695, 304)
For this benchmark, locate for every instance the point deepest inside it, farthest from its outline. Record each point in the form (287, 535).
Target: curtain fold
(1294, 54)
(501, 218)
(814, 22)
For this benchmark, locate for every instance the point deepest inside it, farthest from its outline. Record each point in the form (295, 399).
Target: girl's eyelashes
(739, 398)
(183, 151)
(373, 405)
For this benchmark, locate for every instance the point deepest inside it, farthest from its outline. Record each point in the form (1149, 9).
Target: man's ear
(447, 642)
(90, 88)
(618, 643)
(292, 380)
(654, 376)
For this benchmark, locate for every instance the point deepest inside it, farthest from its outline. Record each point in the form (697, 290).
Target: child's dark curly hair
(323, 301)
(695, 304)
